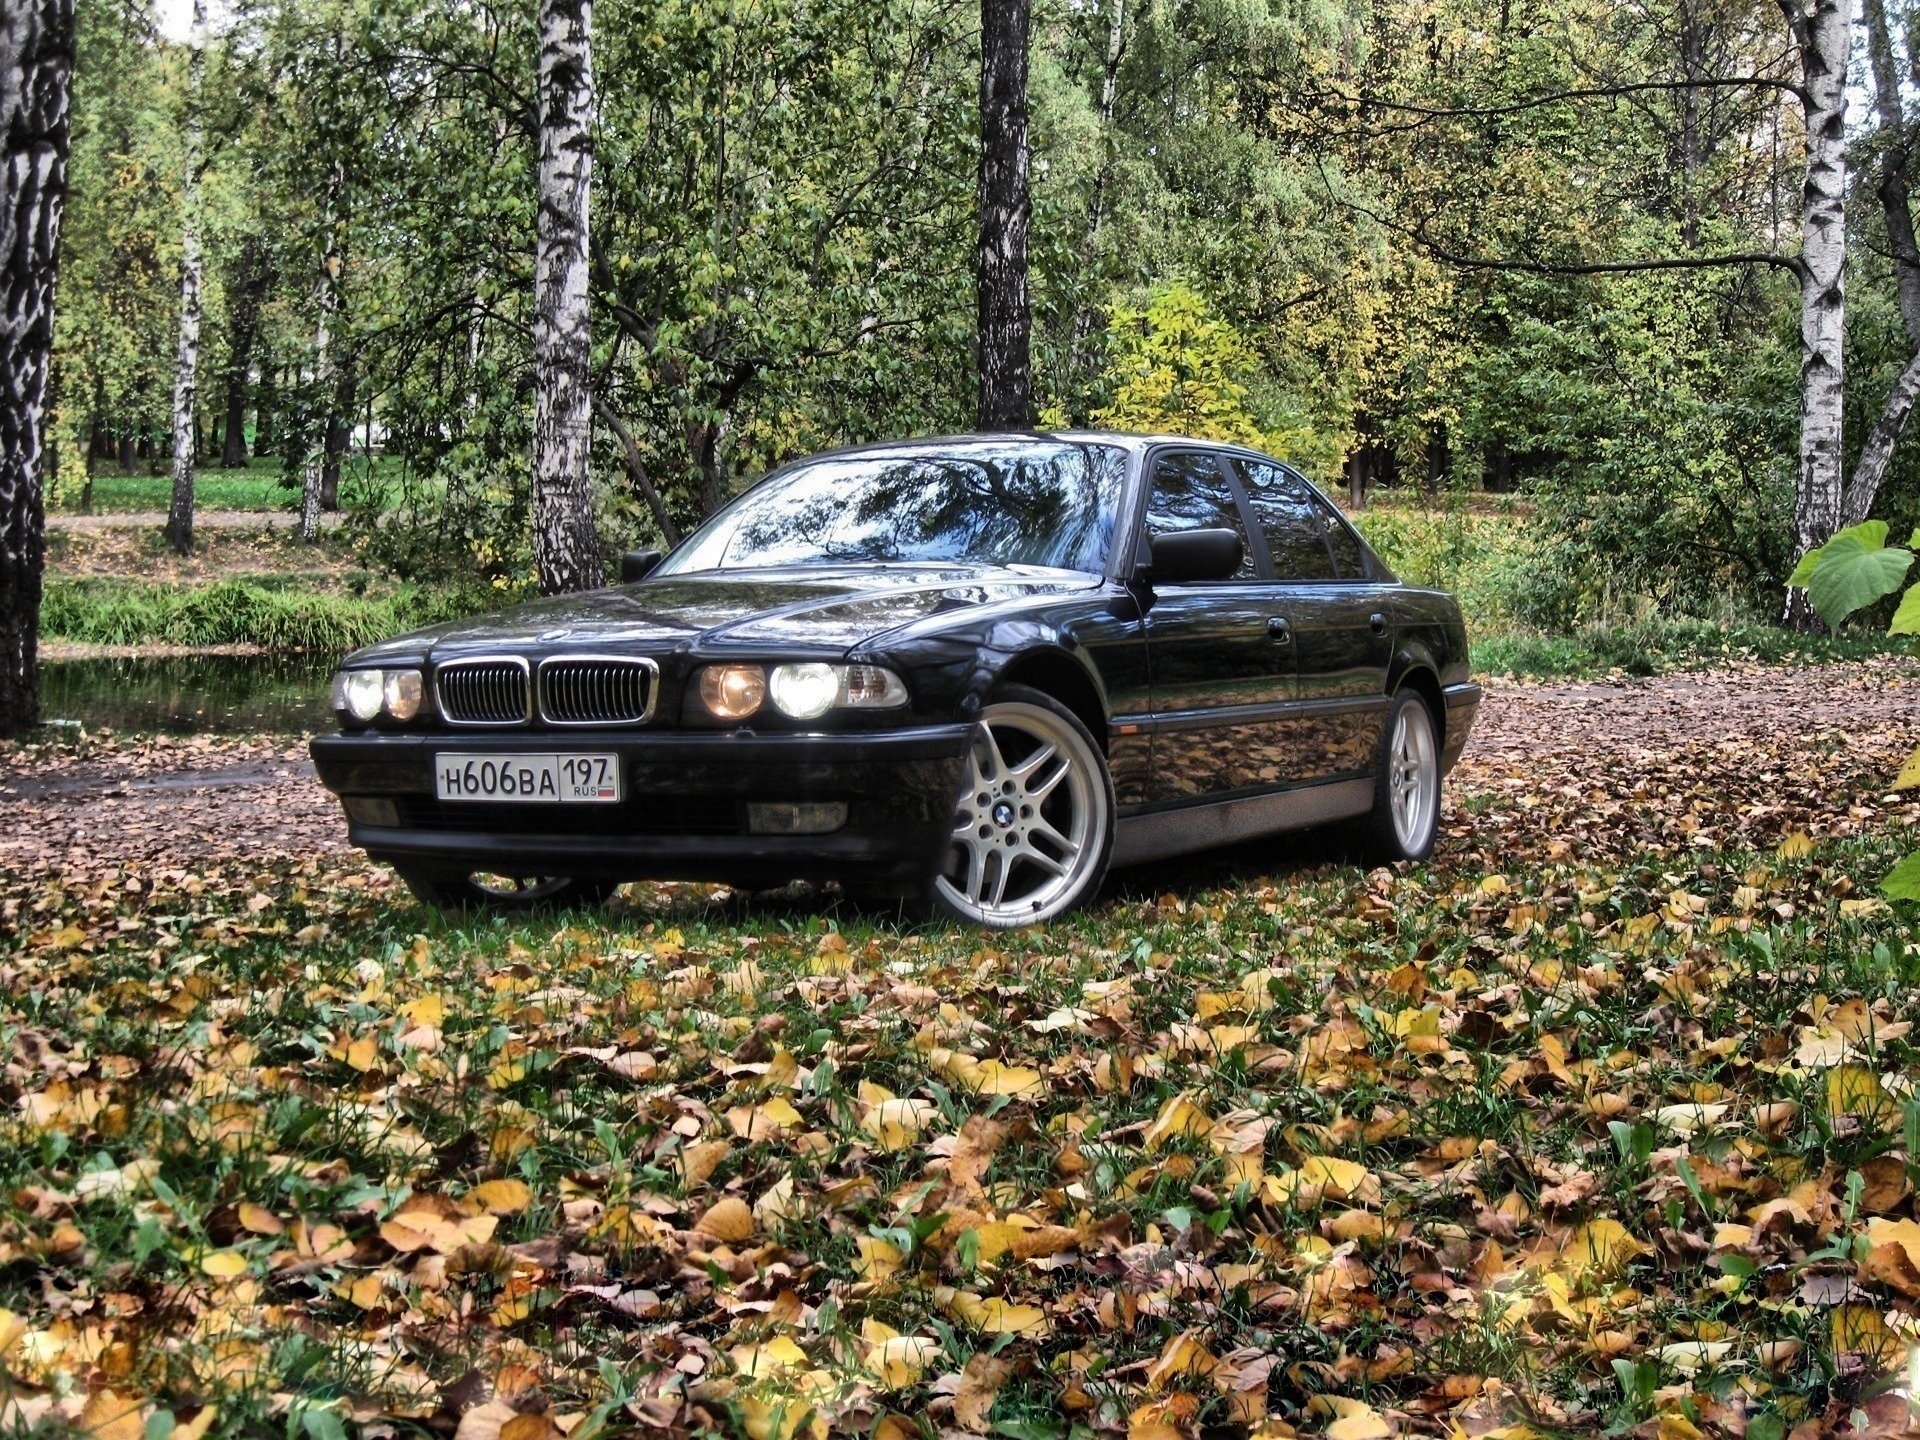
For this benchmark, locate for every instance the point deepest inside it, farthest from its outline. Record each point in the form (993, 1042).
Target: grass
(272, 612)
(1503, 1130)
(213, 490)
(1659, 645)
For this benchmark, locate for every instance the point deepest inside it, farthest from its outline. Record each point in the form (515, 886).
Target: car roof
(1120, 439)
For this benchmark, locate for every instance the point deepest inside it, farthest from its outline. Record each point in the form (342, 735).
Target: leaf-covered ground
(1604, 1120)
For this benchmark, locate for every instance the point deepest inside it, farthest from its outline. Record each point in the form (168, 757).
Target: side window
(1285, 511)
(1191, 493)
(1346, 546)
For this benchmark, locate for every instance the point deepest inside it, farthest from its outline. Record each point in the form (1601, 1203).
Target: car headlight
(733, 692)
(804, 691)
(809, 691)
(368, 694)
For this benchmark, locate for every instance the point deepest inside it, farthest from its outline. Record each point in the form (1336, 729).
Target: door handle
(1278, 630)
(1378, 622)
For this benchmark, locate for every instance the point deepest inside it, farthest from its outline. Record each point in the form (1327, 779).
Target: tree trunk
(637, 472)
(1006, 210)
(566, 548)
(186, 352)
(314, 441)
(249, 287)
(36, 87)
(1822, 38)
(129, 450)
(1357, 478)
(1083, 321)
(339, 435)
(326, 298)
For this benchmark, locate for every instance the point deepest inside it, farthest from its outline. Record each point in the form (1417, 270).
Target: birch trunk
(312, 475)
(1896, 205)
(186, 353)
(1006, 210)
(36, 87)
(249, 286)
(1083, 321)
(566, 548)
(326, 300)
(1822, 36)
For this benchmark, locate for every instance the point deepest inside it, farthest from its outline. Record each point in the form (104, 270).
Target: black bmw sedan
(972, 673)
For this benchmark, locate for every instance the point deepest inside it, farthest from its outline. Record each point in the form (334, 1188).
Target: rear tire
(1033, 823)
(483, 892)
(1406, 790)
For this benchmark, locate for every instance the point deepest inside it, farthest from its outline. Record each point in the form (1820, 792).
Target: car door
(1342, 635)
(1219, 653)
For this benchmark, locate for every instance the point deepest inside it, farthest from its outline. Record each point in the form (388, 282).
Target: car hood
(812, 607)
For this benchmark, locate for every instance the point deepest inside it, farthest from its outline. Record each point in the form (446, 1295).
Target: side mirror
(637, 565)
(1190, 555)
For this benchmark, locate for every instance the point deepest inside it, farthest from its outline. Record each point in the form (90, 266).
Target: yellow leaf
(363, 1054)
(1179, 1116)
(770, 1357)
(1324, 1177)
(1352, 1419)
(1855, 1090)
(1858, 1329)
(1185, 1357)
(224, 1264)
(501, 1197)
(363, 1291)
(109, 1416)
(1909, 775)
(728, 1220)
(895, 1124)
(878, 1258)
(1003, 1317)
(1599, 1250)
(900, 1360)
(1795, 845)
(260, 1221)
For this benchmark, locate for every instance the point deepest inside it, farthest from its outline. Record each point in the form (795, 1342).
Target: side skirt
(1165, 833)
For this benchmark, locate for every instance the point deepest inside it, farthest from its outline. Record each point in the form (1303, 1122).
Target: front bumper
(682, 815)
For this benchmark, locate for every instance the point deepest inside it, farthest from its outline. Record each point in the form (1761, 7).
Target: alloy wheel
(1413, 777)
(1030, 830)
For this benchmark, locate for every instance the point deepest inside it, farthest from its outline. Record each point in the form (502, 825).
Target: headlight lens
(806, 692)
(368, 694)
(402, 694)
(870, 687)
(361, 692)
(733, 692)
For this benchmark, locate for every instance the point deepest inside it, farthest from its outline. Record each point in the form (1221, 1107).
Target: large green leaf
(1855, 569)
(1903, 881)
(1906, 619)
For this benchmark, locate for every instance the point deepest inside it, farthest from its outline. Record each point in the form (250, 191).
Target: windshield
(1020, 502)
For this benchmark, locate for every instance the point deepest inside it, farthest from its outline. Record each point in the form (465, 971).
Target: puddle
(192, 694)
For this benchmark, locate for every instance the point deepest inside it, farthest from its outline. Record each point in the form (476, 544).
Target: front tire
(1406, 795)
(487, 893)
(1033, 826)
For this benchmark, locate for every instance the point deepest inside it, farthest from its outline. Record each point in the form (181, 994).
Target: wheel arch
(1423, 681)
(1057, 673)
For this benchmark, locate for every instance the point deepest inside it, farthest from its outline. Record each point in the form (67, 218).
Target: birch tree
(326, 299)
(186, 362)
(36, 91)
(1006, 211)
(565, 546)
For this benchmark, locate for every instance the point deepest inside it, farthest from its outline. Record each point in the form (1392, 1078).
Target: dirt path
(1722, 759)
(202, 520)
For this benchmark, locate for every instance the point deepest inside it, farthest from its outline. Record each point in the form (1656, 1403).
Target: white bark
(313, 465)
(565, 546)
(186, 354)
(1822, 36)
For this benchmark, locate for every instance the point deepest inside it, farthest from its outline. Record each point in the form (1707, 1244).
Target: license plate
(574, 778)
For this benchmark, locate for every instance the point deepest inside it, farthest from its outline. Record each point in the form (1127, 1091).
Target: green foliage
(251, 612)
(1177, 368)
(1486, 560)
(1848, 573)
(1851, 571)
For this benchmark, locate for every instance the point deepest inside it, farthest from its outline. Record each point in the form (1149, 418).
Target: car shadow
(1263, 860)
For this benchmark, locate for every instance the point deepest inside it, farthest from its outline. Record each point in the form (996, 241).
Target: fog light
(806, 692)
(372, 810)
(733, 692)
(360, 692)
(815, 817)
(402, 694)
